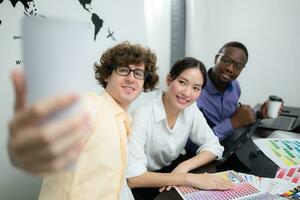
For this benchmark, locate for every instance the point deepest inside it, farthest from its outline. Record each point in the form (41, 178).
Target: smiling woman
(161, 129)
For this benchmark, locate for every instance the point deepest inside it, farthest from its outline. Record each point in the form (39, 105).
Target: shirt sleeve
(223, 129)
(137, 159)
(203, 136)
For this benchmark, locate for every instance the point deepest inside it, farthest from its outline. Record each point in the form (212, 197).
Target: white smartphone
(57, 58)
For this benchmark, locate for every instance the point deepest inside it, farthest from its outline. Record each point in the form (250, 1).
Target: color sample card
(231, 176)
(265, 196)
(247, 187)
(293, 193)
(289, 174)
(274, 186)
(284, 152)
(241, 189)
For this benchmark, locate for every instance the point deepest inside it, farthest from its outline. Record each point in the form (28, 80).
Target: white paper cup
(274, 106)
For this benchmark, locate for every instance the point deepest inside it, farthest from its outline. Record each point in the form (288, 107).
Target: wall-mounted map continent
(31, 10)
(97, 21)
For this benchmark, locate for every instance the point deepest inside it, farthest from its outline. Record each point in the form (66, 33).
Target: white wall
(270, 30)
(158, 37)
(125, 18)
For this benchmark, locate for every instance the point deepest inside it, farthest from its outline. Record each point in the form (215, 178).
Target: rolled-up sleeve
(202, 135)
(137, 159)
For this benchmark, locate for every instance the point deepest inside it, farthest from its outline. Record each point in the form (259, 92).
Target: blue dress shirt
(218, 108)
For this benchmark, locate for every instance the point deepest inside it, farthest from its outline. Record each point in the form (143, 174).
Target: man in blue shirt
(219, 100)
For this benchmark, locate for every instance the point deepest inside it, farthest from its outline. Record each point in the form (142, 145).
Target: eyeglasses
(125, 71)
(228, 61)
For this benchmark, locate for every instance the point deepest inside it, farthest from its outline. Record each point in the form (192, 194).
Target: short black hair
(237, 45)
(187, 63)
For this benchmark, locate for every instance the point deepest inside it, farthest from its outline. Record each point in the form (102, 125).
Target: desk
(211, 167)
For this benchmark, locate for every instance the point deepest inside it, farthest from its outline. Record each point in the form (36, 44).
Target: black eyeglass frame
(145, 73)
(237, 66)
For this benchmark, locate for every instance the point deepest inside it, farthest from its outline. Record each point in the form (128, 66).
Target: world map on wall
(31, 10)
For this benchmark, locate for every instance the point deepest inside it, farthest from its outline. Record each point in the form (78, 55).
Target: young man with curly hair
(95, 140)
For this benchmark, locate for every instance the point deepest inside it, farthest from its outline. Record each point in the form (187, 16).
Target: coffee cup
(274, 106)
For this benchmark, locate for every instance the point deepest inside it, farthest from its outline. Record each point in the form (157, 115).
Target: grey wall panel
(177, 30)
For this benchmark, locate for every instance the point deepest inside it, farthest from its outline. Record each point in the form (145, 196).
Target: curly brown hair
(126, 54)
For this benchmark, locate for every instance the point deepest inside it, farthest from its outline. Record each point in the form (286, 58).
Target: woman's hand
(208, 182)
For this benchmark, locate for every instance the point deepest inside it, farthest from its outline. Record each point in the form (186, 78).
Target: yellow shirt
(99, 172)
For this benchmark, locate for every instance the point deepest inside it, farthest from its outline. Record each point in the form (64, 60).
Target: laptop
(287, 121)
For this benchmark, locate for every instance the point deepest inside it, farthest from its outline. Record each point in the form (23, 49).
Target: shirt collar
(118, 111)
(159, 109)
(160, 113)
(116, 108)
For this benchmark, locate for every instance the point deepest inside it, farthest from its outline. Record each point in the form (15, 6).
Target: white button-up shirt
(153, 145)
